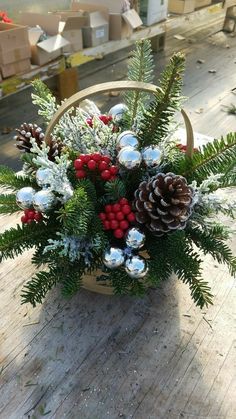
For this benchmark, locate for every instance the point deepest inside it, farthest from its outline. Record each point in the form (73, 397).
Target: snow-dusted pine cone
(28, 131)
(164, 203)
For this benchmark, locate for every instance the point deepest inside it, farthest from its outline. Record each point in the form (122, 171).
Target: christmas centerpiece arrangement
(111, 202)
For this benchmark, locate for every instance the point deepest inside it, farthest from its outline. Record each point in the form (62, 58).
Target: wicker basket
(89, 281)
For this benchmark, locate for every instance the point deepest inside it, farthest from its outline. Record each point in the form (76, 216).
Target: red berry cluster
(117, 217)
(183, 148)
(95, 162)
(106, 119)
(31, 215)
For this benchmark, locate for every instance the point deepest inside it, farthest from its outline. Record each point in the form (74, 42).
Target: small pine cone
(164, 203)
(29, 131)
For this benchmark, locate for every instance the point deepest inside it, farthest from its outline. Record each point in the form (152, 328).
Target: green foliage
(215, 157)
(114, 191)
(44, 99)
(36, 289)
(140, 68)
(8, 204)
(155, 124)
(211, 241)
(9, 179)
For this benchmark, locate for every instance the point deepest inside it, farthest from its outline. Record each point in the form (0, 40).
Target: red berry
(108, 208)
(123, 201)
(105, 175)
(89, 122)
(38, 216)
(24, 219)
(106, 159)
(106, 225)
(78, 164)
(102, 216)
(111, 216)
(124, 225)
(120, 216)
(113, 170)
(105, 119)
(92, 165)
(114, 224)
(84, 157)
(80, 174)
(118, 233)
(31, 214)
(116, 207)
(29, 221)
(126, 209)
(26, 211)
(103, 166)
(96, 156)
(131, 217)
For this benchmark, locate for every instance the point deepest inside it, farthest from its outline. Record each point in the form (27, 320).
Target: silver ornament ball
(136, 267)
(24, 197)
(135, 238)
(113, 258)
(42, 177)
(129, 158)
(151, 156)
(117, 112)
(44, 201)
(127, 139)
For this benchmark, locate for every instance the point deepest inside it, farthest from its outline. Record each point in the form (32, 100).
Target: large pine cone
(164, 203)
(28, 131)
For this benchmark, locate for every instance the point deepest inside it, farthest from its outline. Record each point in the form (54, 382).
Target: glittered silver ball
(113, 258)
(136, 267)
(151, 156)
(129, 158)
(44, 201)
(43, 176)
(135, 238)
(24, 197)
(117, 112)
(127, 139)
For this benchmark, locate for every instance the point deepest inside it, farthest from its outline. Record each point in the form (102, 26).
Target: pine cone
(164, 203)
(29, 131)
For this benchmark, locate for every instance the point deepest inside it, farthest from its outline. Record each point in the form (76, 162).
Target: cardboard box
(181, 6)
(123, 25)
(14, 43)
(202, 3)
(153, 11)
(49, 49)
(18, 67)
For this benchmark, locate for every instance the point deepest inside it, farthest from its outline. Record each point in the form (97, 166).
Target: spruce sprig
(9, 179)
(155, 124)
(8, 204)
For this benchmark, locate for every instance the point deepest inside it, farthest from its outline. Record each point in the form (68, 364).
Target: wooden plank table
(97, 357)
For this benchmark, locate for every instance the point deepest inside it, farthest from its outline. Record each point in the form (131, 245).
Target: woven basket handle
(116, 86)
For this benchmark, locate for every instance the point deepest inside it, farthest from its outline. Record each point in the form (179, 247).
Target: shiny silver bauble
(24, 197)
(43, 177)
(151, 156)
(129, 158)
(127, 139)
(136, 267)
(44, 201)
(113, 258)
(117, 112)
(135, 238)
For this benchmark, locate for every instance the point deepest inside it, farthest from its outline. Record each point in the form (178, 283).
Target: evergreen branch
(140, 68)
(212, 241)
(8, 204)
(44, 99)
(114, 191)
(9, 179)
(35, 290)
(156, 119)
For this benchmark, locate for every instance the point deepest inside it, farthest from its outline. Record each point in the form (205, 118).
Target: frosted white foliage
(57, 180)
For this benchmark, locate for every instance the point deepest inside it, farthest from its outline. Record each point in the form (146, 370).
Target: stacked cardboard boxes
(153, 11)
(14, 49)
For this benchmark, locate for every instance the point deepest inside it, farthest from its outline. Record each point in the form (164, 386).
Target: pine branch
(212, 242)
(213, 158)
(114, 191)
(43, 98)
(35, 290)
(8, 204)
(9, 179)
(140, 68)
(155, 124)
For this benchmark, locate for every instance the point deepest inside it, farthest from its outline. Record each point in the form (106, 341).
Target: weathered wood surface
(97, 357)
